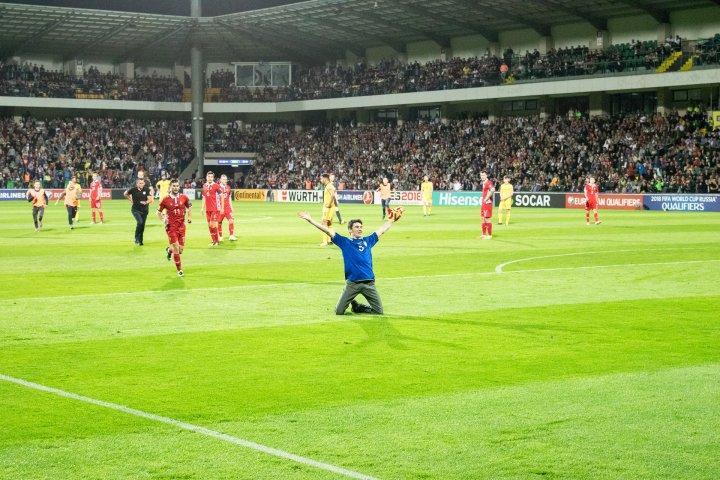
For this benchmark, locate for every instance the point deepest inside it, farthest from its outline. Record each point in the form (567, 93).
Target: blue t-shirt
(357, 256)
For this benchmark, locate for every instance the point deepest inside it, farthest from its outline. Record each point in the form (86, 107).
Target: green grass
(594, 353)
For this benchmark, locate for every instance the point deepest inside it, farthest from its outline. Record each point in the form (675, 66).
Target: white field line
(193, 428)
(498, 269)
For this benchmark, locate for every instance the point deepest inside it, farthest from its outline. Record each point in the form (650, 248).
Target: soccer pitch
(554, 350)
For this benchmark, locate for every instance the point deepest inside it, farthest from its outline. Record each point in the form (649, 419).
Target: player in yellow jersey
(328, 207)
(426, 189)
(506, 195)
(163, 187)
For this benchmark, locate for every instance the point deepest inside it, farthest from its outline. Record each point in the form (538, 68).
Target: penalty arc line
(193, 428)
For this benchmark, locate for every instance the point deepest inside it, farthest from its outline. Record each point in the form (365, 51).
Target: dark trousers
(385, 205)
(140, 218)
(72, 211)
(38, 213)
(353, 289)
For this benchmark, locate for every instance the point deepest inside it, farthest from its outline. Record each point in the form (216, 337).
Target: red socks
(219, 229)
(596, 217)
(93, 217)
(176, 257)
(213, 233)
(102, 220)
(231, 226)
(587, 215)
(489, 228)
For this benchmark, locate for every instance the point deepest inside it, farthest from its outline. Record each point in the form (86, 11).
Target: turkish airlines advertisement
(606, 201)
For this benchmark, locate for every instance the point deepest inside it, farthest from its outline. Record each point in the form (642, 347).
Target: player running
(95, 198)
(591, 200)
(486, 210)
(175, 204)
(426, 189)
(506, 195)
(227, 212)
(71, 203)
(39, 200)
(328, 208)
(212, 204)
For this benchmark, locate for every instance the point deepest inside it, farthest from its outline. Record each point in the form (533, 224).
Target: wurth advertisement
(298, 196)
(606, 201)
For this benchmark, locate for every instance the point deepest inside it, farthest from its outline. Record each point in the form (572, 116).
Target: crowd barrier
(680, 202)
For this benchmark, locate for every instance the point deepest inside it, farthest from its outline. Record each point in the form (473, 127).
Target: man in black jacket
(140, 196)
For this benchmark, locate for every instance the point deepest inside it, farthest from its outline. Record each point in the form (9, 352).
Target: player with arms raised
(175, 204)
(212, 204)
(227, 212)
(95, 200)
(591, 200)
(486, 209)
(506, 194)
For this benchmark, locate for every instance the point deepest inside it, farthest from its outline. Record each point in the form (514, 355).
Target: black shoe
(140, 244)
(355, 306)
(169, 253)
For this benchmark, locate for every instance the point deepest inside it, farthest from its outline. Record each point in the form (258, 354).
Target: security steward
(140, 196)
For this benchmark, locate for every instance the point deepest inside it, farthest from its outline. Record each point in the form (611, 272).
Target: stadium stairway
(669, 62)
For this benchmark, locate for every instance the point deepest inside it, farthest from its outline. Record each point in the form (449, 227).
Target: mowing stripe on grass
(193, 428)
(498, 270)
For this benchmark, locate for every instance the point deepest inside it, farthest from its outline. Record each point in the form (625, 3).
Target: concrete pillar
(545, 44)
(494, 111)
(664, 101)
(494, 48)
(664, 30)
(446, 53)
(601, 40)
(599, 104)
(127, 70)
(197, 75)
(179, 73)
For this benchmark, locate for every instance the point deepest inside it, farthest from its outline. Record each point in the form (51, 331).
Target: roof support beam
(326, 21)
(322, 39)
(660, 15)
(39, 33)
(142, 46)
(488, 34)
(441, 40)
(541, 29)
(95, 41)
(597, 22)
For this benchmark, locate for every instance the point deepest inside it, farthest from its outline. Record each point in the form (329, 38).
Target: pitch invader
(175, 204)
(591, 200)
(95, 198)
(212, 204)
(39, 200)
(227, 211)
(506, 194)
(486, 209)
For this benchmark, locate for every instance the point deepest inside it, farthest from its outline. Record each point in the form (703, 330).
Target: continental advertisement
(250, 195)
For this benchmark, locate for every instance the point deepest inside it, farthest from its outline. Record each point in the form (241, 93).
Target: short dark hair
(209, 172)
(325, 175)
(174, 180)
(352, 222)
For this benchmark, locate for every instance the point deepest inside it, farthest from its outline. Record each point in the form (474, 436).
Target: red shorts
(225, 215)
(176, 234)
(486, 210)
(212, 216)
(97, 203)
(591, 205)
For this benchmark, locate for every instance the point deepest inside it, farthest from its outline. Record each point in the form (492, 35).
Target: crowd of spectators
(54, 150)
(628, 154)
(361, 78)
(32, 80)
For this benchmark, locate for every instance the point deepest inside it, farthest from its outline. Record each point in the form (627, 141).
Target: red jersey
(591, 192)
(226, 194)
(211, 195)
(95, 190)
(487, 191)
(175, 206)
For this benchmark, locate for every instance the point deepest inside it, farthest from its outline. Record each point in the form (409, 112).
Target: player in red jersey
(212, 204)
(591, 200)
(175, 204)
(95, 200)
(488, 188)
(227, 212)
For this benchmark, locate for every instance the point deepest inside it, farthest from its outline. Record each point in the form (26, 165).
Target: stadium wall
(676, 202)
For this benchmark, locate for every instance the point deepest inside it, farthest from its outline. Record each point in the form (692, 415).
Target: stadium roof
(160, 31)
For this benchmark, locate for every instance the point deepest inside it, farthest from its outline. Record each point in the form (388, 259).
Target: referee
(140, 197)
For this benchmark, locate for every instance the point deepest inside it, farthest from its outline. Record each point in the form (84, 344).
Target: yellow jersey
(163, 188)
(506, 191)
(328, 195)
(426, 188)
(78, 192)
